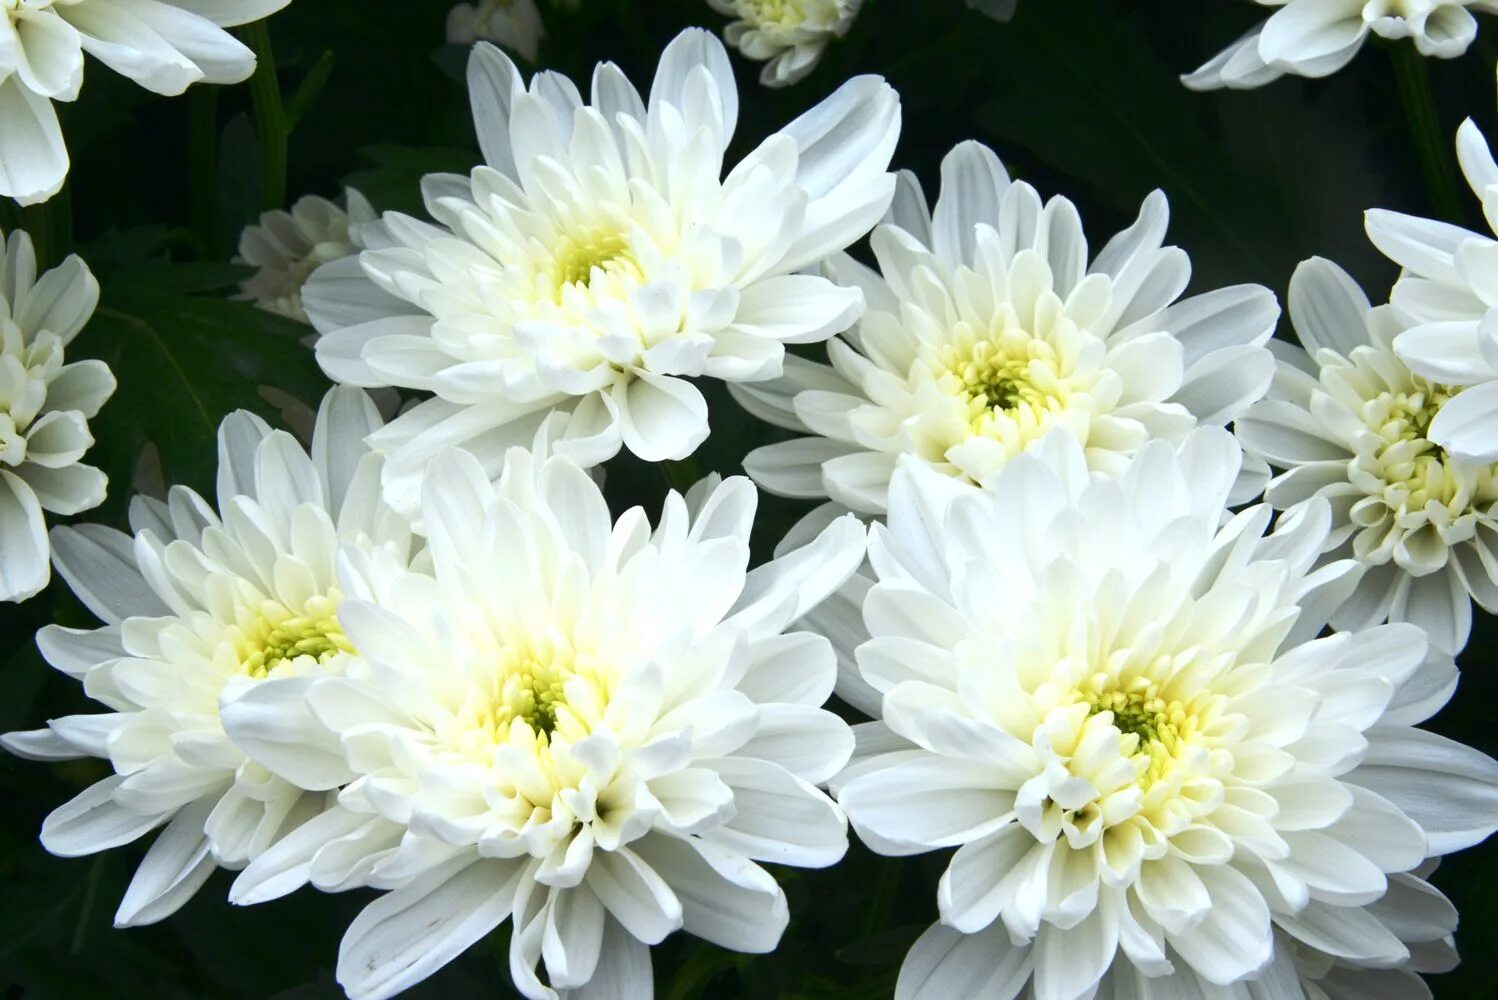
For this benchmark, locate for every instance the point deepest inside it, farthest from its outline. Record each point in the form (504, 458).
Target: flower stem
(681, 475)
(50, 225)
(270, 116)
(1432, 144)
(202, 109)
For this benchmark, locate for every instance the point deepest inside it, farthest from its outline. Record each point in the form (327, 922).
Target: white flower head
(788, 36)
(599, 260)
(163, 45)
(286, 247)
(1318, 37)
(1449, 295)
(581, 725)
(512, 24)
(988, 325)
(45, 406)
(200, 608)
(1118, 710)
(1351, 423)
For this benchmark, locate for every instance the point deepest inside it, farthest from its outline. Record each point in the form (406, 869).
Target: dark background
(1078, 96)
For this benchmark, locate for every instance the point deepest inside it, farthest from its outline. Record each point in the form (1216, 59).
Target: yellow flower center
(779, 13)
(1158, 728)
(279, 637)
(580, 258)
(1010, 375)
(1413, 469)
(531, 695)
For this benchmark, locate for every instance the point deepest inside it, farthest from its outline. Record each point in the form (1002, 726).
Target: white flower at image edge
(1449, 293)
(286, 247)
(45, 406)
(1349, 422)
(1318, 37)
(989, 324)
(1156, 776)
(594, 730)
(788, 36)
(600, 259)
(200, 607)
(163, 45)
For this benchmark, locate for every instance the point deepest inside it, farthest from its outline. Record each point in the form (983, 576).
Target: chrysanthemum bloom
(1319, 37)
(1351, 423)
(988, 326)
(199, 608)
(163, 45)
(45, 406)
(598, 261)
(286, 247)
(1121, 716)
(512, 24)
(1449, 295)
(583, 726)
(788, 36)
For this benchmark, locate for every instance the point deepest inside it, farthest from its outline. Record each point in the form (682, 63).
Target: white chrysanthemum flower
(580, 725)
(200, 607)
(163, 45)
(989, 326)
(1449, 294)
(512, 24)
(1121, 716)
(45, 406)
(1349, 422)
(788, 36)
(599, 261)
(286, 247)
(1319, 37)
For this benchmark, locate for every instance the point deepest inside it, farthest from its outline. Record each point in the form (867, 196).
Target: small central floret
(532, 694)
(781, 13)
(580, 257)
(1407, 469)
(1011, 374)
(1158, 728)
(280, 637)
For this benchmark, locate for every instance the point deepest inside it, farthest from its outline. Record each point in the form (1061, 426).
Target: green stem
(86, 908)
(202, 169)
(1432, 144)
(681, 475)
(50, 225)
(270, 116)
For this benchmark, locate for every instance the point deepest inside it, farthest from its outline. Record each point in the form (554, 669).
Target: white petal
(944, 964)
(406, 935)
(1449, 789)
(33, 160)
(23, 541)
(1328, 308)
(1467, 426)
(725, 899)
(92, 821)
(177, 864)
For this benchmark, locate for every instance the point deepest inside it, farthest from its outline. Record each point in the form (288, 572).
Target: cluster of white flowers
(1319, 37)
(1156, 681)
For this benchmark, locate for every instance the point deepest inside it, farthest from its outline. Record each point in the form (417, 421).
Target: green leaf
(308, 90)
(393, 183)
(183, 361)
